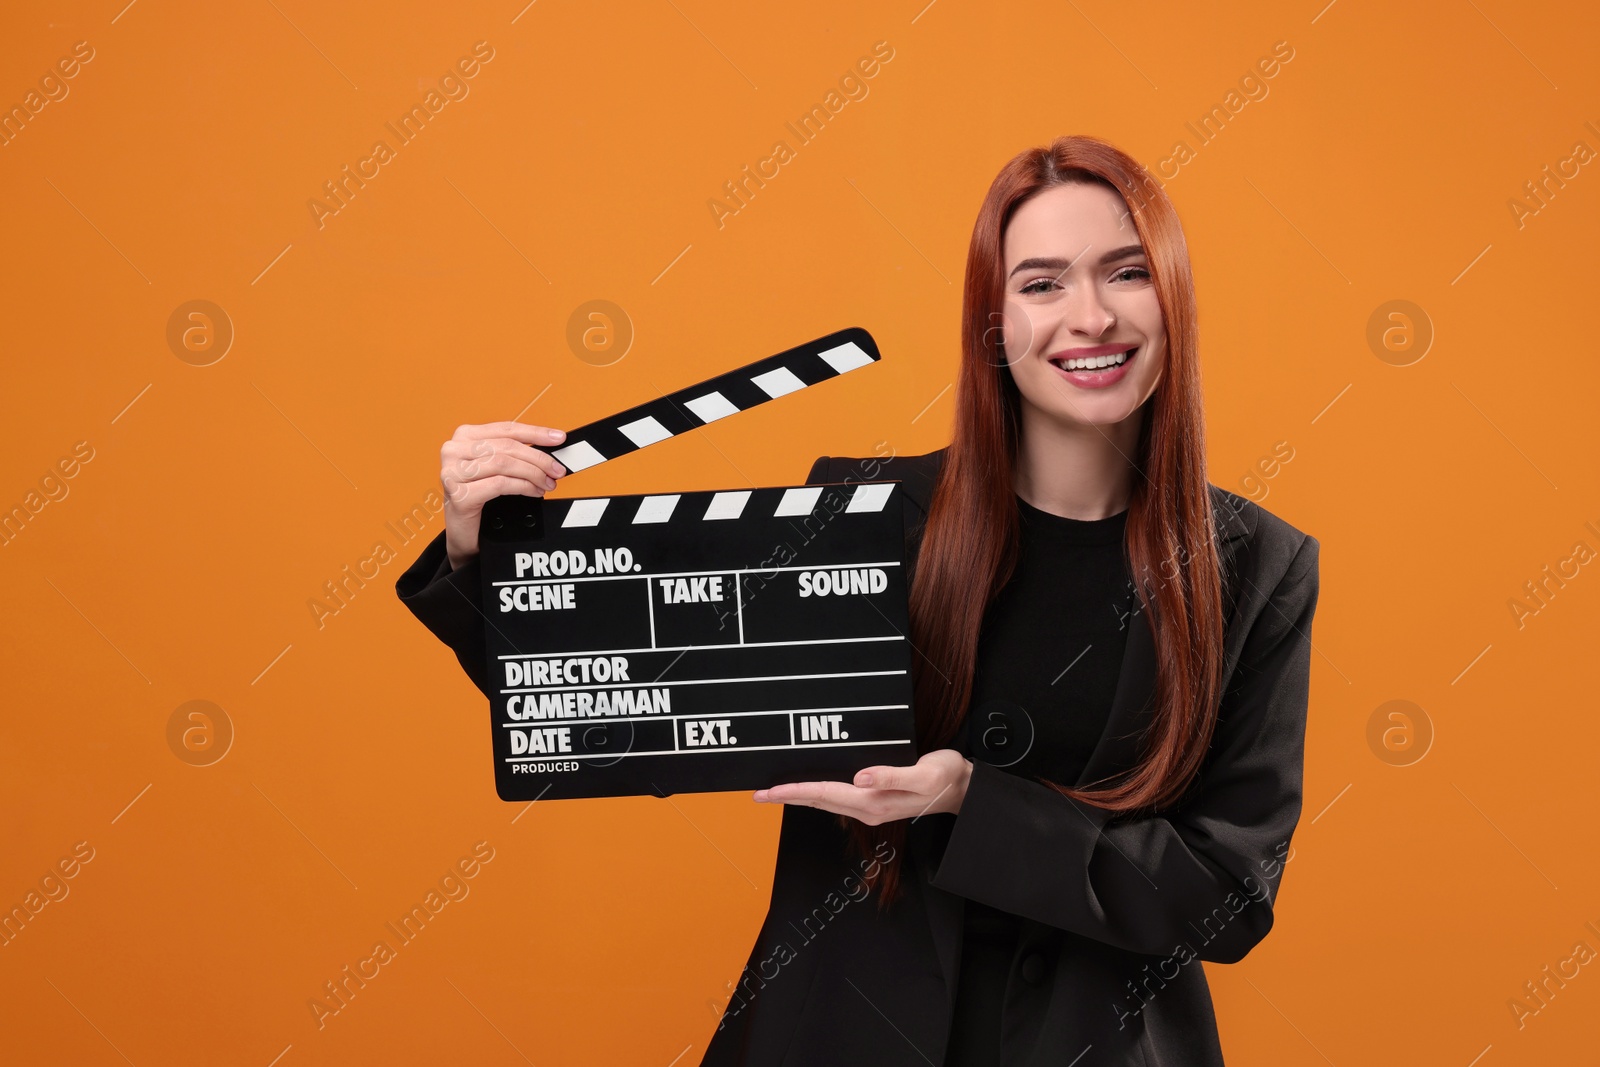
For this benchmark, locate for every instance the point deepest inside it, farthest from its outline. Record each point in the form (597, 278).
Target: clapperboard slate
(703, 641)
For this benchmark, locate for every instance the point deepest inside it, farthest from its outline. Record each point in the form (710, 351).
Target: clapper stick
(716, 398)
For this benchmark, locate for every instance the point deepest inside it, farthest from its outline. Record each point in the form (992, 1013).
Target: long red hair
(970, 543)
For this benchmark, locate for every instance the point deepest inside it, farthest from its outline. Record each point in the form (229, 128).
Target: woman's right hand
(480, 463)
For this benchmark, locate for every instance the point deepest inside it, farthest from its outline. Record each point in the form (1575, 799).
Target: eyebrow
(1057, 263)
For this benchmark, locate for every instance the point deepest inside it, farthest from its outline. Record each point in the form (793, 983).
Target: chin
(1097, 415)
(1103, 408)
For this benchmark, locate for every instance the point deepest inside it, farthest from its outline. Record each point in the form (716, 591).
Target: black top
(1048, 659)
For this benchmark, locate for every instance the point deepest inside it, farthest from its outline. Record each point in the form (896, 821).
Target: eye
(1131, 274)
(1039, 285)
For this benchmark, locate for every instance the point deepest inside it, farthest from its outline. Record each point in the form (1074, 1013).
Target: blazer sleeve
(446, 602)
(1206, 872)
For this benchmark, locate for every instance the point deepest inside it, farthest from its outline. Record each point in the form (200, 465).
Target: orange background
(180, 564)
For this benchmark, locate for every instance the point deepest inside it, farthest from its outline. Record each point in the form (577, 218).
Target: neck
(1074, 470)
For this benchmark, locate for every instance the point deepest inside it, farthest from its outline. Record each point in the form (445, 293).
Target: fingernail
(864, 779)
(561, 471)
(559, 435)
(761, 796)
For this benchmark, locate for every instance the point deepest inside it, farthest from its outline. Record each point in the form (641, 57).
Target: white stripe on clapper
(586, 511)
(578, 455)
(655, 508)
(711, 407)
(776, 383)
(645, 431)
(798, 501)
(870, 497)
(729, 505)
(846, 357)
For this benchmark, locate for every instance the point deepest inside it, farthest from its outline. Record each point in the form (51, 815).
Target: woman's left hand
(937, 782)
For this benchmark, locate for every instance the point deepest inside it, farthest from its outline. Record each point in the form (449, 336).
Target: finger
(471, 496)
(790, 791)
(515, 464)
(914, 779)
(453, 472)
(463, 455)
(813, 792)
(518, 431)
(544, 460)
(871, 806)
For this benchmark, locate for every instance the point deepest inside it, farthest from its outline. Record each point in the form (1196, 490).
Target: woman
(1112, 670)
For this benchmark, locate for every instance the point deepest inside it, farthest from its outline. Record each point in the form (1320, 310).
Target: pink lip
(1095, 379)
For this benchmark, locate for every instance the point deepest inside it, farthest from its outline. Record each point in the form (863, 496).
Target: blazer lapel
(1131, 710)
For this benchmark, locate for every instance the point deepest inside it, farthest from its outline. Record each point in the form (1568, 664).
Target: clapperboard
(700, 641)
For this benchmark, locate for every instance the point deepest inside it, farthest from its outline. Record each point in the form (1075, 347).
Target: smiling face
(1084, 335)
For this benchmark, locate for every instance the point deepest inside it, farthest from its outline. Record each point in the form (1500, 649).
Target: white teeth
(1095, 362)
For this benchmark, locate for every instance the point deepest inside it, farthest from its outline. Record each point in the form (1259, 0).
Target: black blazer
(1117, 912)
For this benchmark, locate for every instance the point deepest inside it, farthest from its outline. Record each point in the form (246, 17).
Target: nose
(1086, 313)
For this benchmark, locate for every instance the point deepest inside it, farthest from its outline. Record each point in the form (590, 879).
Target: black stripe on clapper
(739, 390)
